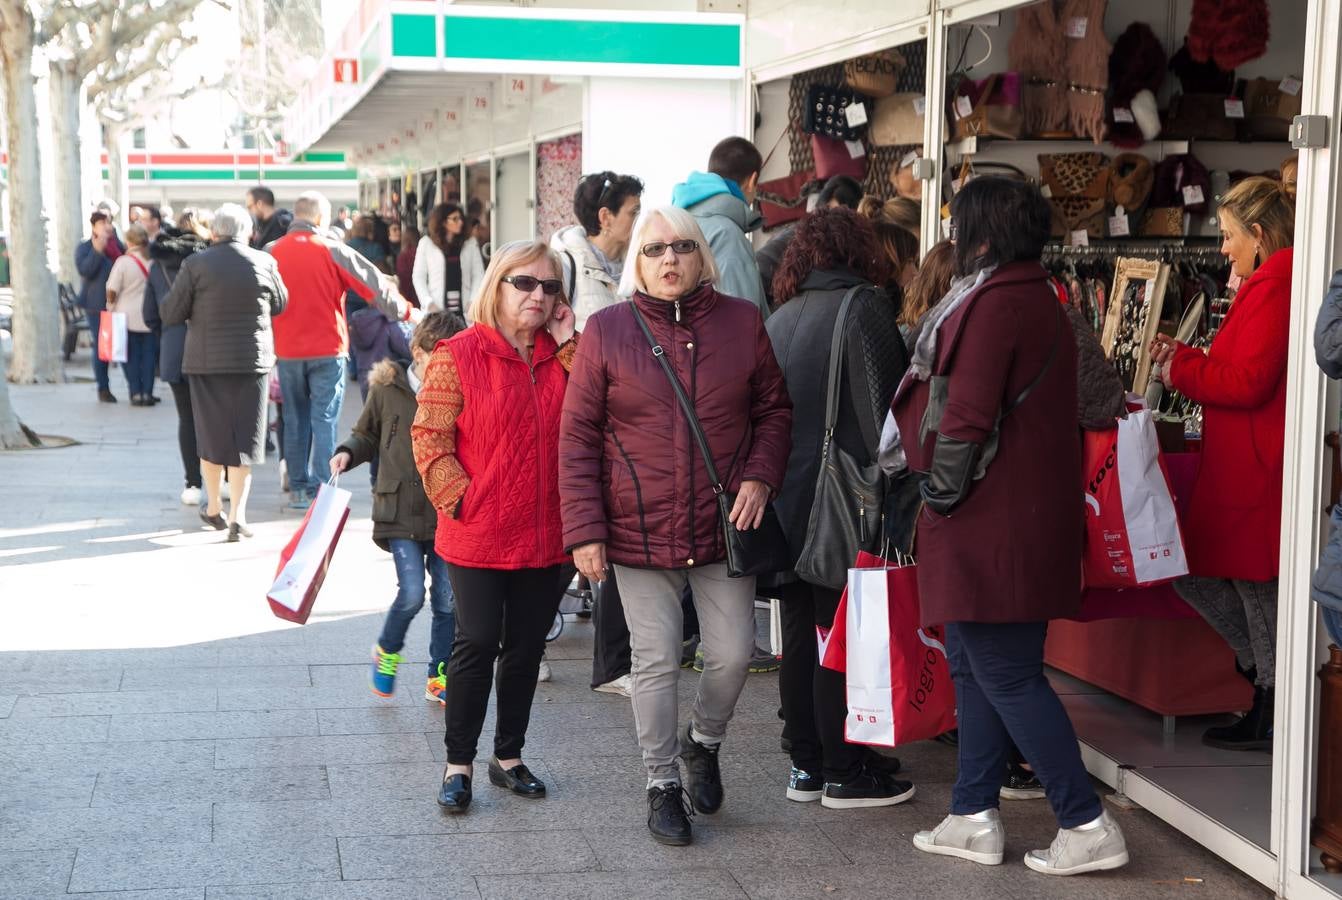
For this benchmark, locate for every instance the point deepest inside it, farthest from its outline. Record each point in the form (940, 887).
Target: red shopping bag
(113, 340)
(1132, 531)
(898, 679)
(307, 556)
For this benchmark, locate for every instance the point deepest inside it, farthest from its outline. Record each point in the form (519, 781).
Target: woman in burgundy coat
(1233, 529)
(988, 411)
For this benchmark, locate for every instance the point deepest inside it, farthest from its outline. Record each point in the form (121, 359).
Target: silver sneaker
(961, 836)
(1074, 851)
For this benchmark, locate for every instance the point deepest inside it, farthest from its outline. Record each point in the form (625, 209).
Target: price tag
(963, 106)
(855, 149)
(1079, 238)
(1076, 27)
(856, 114)
(1118, 223)
(1193, 195)
(1234, 109)
(909, 159)
(1046, 191)
(1123, 114)
(920, 106)
(1290, 85)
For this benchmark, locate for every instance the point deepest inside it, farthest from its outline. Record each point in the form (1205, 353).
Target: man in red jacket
(312, 337)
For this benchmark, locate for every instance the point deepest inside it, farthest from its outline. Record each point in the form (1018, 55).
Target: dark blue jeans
(141, 361)
(413, 560)
(1002, 696)
(313, 390)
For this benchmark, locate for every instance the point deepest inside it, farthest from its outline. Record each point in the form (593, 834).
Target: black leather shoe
(702, 775)
(669, 815)
(106, 396)
(215, 521)
(1252, 732)
(518, 779)
(455, 793)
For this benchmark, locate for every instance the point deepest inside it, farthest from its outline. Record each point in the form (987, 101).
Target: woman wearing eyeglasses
(637, 496)
(448, 266)
(486, 442)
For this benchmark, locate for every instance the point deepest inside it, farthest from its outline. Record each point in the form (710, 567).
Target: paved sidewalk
(226, 754)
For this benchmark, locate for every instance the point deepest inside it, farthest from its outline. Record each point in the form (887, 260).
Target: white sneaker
(1075, 851)
(624, 685)
(544, 673)
(223, 492)
(191, 496)
(962, 837)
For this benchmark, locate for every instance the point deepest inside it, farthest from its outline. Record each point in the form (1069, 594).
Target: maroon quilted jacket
(630, 472)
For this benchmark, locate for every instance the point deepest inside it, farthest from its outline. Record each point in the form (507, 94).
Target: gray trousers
(1242, 612)
(726, 608)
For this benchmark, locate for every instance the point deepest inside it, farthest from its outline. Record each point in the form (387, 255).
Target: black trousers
(504, 615)
(186, 432)
(610, 641)
(814, 699)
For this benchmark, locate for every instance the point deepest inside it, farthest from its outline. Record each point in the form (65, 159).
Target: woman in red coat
(1233, 529)
(988, 411)
(486, 442)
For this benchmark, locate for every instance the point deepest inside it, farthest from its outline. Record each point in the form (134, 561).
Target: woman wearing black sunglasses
(486, 442)
(636, 491)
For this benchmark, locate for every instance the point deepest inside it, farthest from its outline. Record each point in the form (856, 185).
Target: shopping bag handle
(334, 480)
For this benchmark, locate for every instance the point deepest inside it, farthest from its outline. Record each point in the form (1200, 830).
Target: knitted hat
(1228, 32)
(1136, 64)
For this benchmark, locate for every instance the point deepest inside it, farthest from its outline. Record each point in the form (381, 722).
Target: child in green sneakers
(403, 518)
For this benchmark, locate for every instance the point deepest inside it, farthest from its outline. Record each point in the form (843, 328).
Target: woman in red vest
(1233, 528)
(486, 441)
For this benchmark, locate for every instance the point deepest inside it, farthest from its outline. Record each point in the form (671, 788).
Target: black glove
(953, 465)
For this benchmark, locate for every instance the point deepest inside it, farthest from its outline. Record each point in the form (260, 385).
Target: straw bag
(875, 74)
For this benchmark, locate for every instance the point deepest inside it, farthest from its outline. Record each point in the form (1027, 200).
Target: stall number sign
(477, 107)
(516, 89)
(452, 116)
(345, 71)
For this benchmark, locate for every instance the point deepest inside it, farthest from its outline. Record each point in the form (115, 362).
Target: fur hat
(1137, 64)
(1201, 76)
(1176, 173)
(1228, 32)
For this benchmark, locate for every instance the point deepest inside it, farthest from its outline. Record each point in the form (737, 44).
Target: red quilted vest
(508, 443)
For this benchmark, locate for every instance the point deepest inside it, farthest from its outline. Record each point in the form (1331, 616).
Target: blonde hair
(136, 236)
(1266, 203)
(484, 307)
(899, 212)
(686, 227)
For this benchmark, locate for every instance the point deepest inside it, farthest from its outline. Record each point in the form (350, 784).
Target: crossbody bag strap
(1048, 363)
(683, 397)
(836, 360)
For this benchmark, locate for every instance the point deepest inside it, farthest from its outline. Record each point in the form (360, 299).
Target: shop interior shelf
(1164, 147)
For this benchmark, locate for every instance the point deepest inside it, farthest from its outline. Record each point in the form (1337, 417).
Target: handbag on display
(827, 113)
(849, 497)
(1268, 110)
(990, 107)
(1198, 117)
(1077, 189)
(874, 75)
(832, 158)
(897, 121)
(783, 200)
(757, 551)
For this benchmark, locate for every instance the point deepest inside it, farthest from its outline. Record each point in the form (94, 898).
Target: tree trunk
(36, 310)
(67, 99)
(13, 434)
(118, 185)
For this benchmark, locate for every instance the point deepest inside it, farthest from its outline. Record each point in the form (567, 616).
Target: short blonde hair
(484, 307)
(136, 236)
(686, 227)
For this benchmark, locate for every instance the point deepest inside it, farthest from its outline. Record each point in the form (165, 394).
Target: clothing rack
(1163, 251)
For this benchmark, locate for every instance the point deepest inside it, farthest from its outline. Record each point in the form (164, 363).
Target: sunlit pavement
(164, 737)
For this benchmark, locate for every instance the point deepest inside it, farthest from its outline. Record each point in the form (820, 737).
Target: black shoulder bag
(759, 551)
(846, 513)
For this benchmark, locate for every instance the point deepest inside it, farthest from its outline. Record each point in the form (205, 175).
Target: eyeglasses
(527, 283)
(657, 248)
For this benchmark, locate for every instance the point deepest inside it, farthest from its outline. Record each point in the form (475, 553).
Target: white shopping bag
(113, 337)
(871, 713)
(304, 560)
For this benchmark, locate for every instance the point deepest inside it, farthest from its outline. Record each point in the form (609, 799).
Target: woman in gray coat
(228, 294)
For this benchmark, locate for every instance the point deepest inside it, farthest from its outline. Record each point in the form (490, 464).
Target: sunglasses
(527, 283)
(657, 248)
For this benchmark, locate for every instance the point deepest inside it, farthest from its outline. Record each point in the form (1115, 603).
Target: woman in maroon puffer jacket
(634, 489)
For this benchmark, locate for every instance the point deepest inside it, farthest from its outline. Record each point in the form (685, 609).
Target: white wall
(657, 129)
(780, 29)
(513, 200)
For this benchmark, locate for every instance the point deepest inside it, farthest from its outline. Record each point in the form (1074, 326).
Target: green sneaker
(763, 661)
(384, 671)
(698, 659)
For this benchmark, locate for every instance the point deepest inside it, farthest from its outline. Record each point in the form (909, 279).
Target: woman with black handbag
(836, 336)
(674, 439)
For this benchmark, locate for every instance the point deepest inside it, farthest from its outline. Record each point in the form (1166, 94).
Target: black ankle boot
(669, 815)
(1252, 732)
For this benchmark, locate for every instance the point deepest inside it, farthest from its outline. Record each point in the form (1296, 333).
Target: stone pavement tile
(1144, 877)
(401, 889)
(61, 679)
(582, 716)
(85, 729)
(202, 725)
(137, 756)
(629, 777)
(35, 873)
(6, 704)
(55, 828)
(331, 749)
(192, 893)
(329, 818)
(567, 742)
(827, 879)
(632, 849)
(51, 789)
(157, 865)
(691, 884)
(114, 703)
(176, 677)
(388, 720)
(306, 783)
(448, 856)
(315, 698)
(630, 764)
(108, 659)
